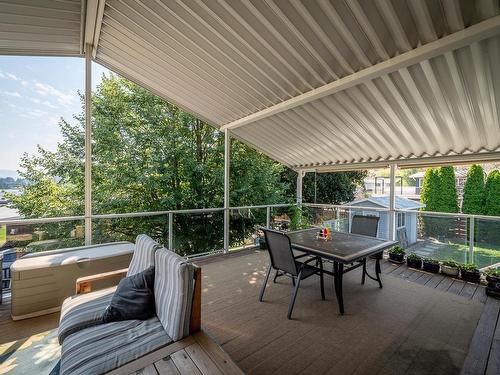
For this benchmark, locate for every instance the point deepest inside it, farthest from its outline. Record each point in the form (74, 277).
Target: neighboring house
(406, 222)
(460, 177)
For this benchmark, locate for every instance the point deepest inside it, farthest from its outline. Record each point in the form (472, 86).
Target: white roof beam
(480, 31)
(93, 22)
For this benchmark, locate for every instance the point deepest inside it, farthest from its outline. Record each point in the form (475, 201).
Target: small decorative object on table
(414, 261)
(493, 279)
(397, 254)
(431, 265)
(470, 272)
(450, 268)
(324, 234)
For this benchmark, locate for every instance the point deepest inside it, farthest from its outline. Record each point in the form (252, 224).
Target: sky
(35, 92)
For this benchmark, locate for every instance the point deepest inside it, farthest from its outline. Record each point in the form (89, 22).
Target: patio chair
(85, 309)
(286, 264)
(128, 345)
(366, 226)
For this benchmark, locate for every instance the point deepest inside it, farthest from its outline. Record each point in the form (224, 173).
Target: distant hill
(8, 173)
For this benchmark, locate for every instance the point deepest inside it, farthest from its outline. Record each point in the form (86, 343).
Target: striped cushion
(144, 254)
(174, 286)
(83, 310)
(97, 350)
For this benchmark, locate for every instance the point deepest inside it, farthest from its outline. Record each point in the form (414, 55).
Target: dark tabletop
(342, 247)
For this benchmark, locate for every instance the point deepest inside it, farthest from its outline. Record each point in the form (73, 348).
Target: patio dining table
(341, 249)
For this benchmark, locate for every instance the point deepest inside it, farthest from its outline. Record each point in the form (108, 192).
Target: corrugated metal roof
(313, 83)
(41, 27)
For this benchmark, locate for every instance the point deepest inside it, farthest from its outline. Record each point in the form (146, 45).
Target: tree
(492, 194)
(473, 200)
(148, 155)
(447, 200)
(488, 229)
(430, 192)
(331, 187)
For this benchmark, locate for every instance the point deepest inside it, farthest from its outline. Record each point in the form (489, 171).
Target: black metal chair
(286, 264)
(367, 226)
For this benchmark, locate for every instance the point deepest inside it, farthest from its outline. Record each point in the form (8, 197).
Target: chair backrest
(365, 225)
(144, 254)
(280, 251)
(173, 290)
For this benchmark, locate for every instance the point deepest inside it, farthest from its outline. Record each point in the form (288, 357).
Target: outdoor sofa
(89, 347)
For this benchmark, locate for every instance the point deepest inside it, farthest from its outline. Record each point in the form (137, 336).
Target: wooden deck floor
(419, 323)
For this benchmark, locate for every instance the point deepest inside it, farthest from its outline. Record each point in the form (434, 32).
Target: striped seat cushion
(144, 254)
(97, 350)
(82, 311)
(173, 291)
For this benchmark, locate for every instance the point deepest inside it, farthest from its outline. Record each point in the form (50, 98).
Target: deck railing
(195, 232)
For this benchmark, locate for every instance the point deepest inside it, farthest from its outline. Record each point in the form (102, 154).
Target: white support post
(471, 238)
(227, 162)
(268, 217)
(300, 174)
(392, 203)
(88, 145)
(171, 231)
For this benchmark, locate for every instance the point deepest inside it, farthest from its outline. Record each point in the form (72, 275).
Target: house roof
(313, 84)
(402, 203)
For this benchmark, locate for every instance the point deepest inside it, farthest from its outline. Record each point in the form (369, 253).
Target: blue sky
(35, 92)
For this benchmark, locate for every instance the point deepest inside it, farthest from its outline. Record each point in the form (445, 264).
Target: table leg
(340, 297)
(377, 272)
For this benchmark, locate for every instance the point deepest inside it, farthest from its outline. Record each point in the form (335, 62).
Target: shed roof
(313, 84)
(402, 203)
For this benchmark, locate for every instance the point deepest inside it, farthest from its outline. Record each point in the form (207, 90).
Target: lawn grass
(3, 234)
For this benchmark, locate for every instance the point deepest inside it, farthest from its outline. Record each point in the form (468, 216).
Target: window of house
(401, 219)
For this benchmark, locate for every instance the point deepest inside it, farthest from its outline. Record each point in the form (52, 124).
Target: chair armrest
(84, 284)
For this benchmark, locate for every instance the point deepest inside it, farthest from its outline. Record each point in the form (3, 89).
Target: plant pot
(472, 276)
(414, 263)
(493, 279)
(431, 267)
(449, 271)
(396, 258)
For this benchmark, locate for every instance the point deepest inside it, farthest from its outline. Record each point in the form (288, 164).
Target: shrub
(414, 257)
(397, 250)
(493, 272)
(469, 267)
(473, 202)
(431, 261)
(447, 196)
(450, 263)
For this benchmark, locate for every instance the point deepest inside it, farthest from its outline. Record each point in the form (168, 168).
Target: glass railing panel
(198, 233)
(439, 237)
(105, 230)
(487, 242)
(244, 226)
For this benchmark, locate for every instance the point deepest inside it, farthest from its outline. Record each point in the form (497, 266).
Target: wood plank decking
(419, 323)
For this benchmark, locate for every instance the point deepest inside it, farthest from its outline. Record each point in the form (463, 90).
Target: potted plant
(431, 265)
(470, 272)
(414, 261)
(493, 279)
(450, 268)
(397, 254)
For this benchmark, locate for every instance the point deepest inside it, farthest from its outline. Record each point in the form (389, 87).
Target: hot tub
(41, 281)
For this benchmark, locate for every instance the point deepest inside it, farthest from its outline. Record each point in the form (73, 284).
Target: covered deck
(418, 323)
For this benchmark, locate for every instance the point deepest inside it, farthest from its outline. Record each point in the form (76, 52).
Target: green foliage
(299, 217)
(148, 155)
(447, 200)
(492, 194)
(429, 193)
(450, 263)
(473, 201)
(413, 257)
(431, 261)
(331, 188)
(469, 267)
(397, 250)
(492, 272)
